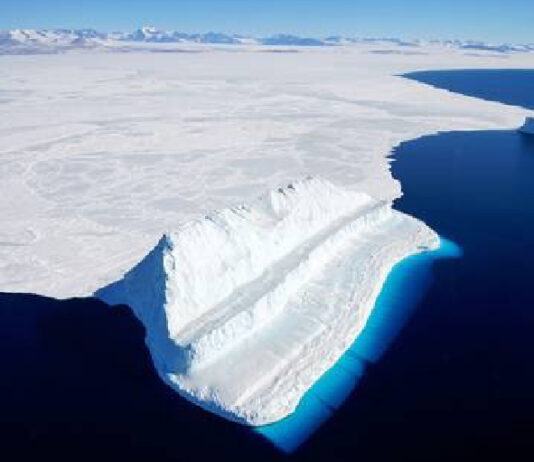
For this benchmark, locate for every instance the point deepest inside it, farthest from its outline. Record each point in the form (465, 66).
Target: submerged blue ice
(400, 295)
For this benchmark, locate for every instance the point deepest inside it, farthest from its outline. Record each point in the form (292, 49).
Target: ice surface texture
(246, 308)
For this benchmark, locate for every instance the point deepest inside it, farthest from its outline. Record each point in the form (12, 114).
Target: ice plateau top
(247, 307)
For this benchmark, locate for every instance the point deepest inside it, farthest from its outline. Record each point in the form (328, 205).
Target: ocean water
(510, 86)
(456, 383)
(470, 172)
(77, 384)
(442, 371)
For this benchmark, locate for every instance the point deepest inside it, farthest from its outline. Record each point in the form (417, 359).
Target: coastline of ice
(246, 308)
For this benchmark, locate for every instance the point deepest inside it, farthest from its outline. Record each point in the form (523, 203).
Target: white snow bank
(528, 126)
(247, 307)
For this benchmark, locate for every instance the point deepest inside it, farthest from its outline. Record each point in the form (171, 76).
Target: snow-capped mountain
(500, 48)
(55, 40)
(291, 40)
(49, 40)
(153, 35)
(46, 36)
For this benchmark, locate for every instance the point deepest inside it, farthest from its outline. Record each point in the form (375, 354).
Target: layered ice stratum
(247, 307)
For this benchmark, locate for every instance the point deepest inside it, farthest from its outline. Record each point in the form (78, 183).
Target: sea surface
(509, 86)
(443, 370)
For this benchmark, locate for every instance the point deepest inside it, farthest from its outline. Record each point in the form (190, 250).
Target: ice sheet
(104, 152)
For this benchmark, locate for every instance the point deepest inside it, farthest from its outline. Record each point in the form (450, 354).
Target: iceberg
(246, 308)
(528, 126)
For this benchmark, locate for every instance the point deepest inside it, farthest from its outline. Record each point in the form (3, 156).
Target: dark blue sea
(509, 86)
(443, 371)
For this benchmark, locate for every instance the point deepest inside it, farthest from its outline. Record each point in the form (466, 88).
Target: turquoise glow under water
(404, 287)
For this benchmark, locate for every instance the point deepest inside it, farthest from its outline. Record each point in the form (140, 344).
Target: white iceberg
(528, 126)
(246, 308)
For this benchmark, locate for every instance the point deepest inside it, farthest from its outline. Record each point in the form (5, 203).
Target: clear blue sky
(490, 20)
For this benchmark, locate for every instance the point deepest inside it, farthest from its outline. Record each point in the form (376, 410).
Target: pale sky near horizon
(489, 20)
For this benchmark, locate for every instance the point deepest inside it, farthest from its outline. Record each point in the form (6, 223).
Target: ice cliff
(247, 307)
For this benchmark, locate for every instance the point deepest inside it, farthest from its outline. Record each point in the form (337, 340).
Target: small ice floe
(528, 126)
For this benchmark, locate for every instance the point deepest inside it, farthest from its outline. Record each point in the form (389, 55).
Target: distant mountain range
(53, 40)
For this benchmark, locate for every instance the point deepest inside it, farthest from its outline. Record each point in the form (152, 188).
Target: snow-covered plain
(101, 153)
(104, 152)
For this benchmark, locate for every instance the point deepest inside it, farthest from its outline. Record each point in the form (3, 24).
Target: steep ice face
(196, 275)
(247, 307)
(528, 126)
